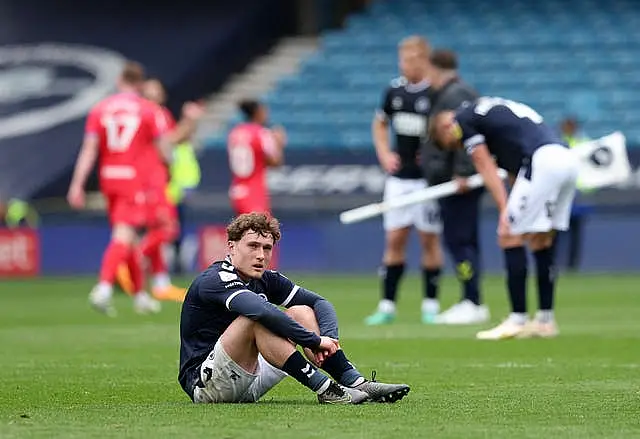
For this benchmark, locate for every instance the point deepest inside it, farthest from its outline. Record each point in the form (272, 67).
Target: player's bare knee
(510, 241)
(305, 316)
(300, 312)
(396, 243)
(540, 241)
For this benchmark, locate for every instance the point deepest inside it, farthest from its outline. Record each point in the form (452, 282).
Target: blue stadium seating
(563, 57)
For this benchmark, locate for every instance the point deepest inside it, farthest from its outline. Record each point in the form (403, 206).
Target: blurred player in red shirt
(252, 148)
(121, 131)
(163, 227)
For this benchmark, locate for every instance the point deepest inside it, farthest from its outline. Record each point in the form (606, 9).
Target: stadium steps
(257, 79)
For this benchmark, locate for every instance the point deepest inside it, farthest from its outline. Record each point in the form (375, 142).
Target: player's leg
(163, 230)
(116, 253)
(427, 221)
(460, 217)
(516, 265)
(342, 370)
(558, 210)
(238, 351)
(397, 226)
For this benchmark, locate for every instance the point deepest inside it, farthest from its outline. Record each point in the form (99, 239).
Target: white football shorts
(541, 197)
(424, 216)
(226, 381)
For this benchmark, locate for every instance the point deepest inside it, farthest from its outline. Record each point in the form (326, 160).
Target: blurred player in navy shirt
(498, 132)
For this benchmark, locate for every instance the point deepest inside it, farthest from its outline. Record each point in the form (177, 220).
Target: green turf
(68, 372)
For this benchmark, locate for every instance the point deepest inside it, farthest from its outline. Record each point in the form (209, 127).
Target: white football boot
(542, 328)
(512, 327)
(143, 303)
(463, 313)
(101, 299)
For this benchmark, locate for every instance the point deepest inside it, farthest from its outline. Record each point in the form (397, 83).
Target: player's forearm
(269, 316)
(276, 158)
(183, 131)
(495, 186)
(84, 165)
(322, 308)
(380, 137)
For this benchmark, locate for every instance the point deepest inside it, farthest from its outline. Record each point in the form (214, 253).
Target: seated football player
(236, 343)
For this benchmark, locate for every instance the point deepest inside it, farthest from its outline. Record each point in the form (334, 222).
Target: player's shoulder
(221, 276)
(398, 83)
(273, 275)
(462, 88)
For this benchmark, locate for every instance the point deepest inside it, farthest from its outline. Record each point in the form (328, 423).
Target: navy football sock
(468, 273)
(299, 368)
(390, 280)
(516, 265)
(431, 281)
(341, 369)
(546, 278)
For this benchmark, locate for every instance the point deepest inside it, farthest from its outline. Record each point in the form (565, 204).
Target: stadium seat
(575, 57)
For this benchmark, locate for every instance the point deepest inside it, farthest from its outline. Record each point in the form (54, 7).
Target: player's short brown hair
(415, 42)
(260, 223)
(444, 59)
(132, 73)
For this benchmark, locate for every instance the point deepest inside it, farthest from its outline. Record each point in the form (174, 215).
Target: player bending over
(236, 344)
(405, 108)
(540, 200)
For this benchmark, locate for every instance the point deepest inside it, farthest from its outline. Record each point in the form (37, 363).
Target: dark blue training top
(217, 296)
(511, 130)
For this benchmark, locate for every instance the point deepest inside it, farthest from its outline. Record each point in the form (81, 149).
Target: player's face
(412, 65)
(252, 254)
(154, 91)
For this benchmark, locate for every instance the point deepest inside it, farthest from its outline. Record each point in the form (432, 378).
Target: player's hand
(193, 110)
(390, 162)
(463, 187)
(280, 135)
(327, 346)
(76, 197)
(316, 358)
(503, 224)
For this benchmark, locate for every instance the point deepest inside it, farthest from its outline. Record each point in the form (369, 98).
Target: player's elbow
(275, 161)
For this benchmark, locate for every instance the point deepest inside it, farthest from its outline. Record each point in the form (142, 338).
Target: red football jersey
(127, 127)
(248, 145)
(156, 171)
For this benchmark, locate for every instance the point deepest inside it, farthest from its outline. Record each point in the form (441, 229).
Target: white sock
(323, 388)
(387, 306)
(431, 306)
(518, 318)
(357, 382)
(544, 316)
(161, 280)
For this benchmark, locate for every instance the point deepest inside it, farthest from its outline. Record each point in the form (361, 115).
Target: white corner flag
(603, 162)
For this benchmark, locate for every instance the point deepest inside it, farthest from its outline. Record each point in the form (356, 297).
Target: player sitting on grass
(236, 344)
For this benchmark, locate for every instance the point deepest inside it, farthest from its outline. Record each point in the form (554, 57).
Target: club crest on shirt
(422, 105)
(396, 103)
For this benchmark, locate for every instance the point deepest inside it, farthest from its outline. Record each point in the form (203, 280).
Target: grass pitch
(68, 372)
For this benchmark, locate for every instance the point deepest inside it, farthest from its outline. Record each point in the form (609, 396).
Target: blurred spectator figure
(17, 213)
(184, 171)
(185, 178)
(573, 136)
